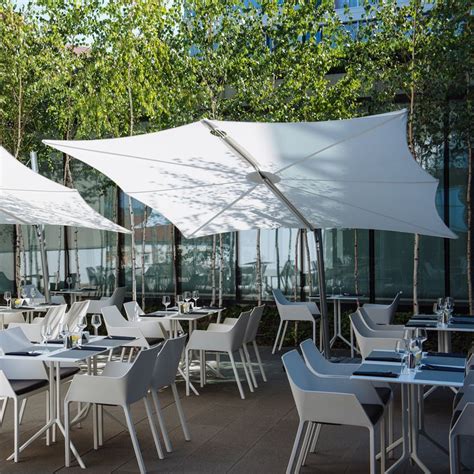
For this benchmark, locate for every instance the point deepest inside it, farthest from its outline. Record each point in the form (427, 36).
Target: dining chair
(164, 375)
(383, 313)
(294, 311)
(249, 338)
(53, 318)
(75, 314)
(134, 313)
(223, 340)
(321, 400)
(116, 299)
(371, 324)
(369, 340)
(119, 385)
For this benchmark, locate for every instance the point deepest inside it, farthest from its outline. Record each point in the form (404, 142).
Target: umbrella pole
(318, 237)
(40, 234)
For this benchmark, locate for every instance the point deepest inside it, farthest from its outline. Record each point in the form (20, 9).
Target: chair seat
(455, 417)
(153, 341)
(373, 411)
(20, 386)
(65, 372)
(384, 394)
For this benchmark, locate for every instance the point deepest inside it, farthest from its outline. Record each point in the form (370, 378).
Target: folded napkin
(23, 353)
(446, 354)
(459, 320)
(442, 368)
(121, 338)
(420, 324)
(26, 307)
(376, 373)
(56, 341)
(89, 348)
(424, 317)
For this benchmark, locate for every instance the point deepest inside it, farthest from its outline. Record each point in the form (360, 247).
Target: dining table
(435, 369)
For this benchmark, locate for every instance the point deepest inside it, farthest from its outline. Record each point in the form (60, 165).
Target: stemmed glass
(187, 296)
(23, 293)
(401, 348)
(449, 305)
(45, 334)
(69, 282)
(64, 331)
(195, 298)
(339, 284)
(33, 294)
(420, 336)
(166, 300)
(81, 325)
(8, 297)
(96, 322)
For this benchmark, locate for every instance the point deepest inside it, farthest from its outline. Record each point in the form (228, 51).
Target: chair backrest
(28, 288)
(359, 325)
(314, 358)
(76, 312)
(113, 317)
(254, 321)
(238, 330)
(394, 304)
(13, 339)
(279, 296)
(367, 320)
(117, 297)
(138, 378)
(133, 310)
(167, 362)
(54, 318)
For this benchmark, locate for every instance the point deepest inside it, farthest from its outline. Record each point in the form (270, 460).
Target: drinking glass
(166, 302)
(96, 322)
(179, 299)
(69, 282)
(45, 334)
(421, 336)
(195, 297)
(8, 297)
(23, 293)
(187, 296)
(339, 285)
(81, 325)
(449, 305)
(64, 331)
(401, 348)
(33, 294)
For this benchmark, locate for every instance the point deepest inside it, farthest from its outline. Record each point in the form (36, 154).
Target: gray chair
(117, 298)
(383, 313)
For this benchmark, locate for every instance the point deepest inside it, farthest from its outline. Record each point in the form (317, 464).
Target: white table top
(433, 325)
(337, 297)
(27, 309)
(52, 352)
(417, 377)
(197, 313)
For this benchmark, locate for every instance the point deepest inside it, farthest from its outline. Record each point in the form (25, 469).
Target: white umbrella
(213, 176)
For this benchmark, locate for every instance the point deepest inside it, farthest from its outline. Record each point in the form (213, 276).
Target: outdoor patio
(228, 435)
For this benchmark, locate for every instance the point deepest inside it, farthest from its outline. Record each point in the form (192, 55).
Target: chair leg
(315, 438)
(277, 337)
(304, 447)
(133, 436)
(295, 447)
(372, 450)
(161, 421)
(179, 408)
(314, 332)
(244, 365)
(3, 410)
(453, 454)
(390, 427)
(236, 374)
(249, 365)
(16, 430)
(314, 427)
(22, 409)
(154, 432)
(285, 327)
(383, 445)
(259, 360)
(67, 442)
(186, 354)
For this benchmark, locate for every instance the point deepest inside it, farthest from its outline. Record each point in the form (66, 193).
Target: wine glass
(45, 334)
(187, 296)
(166, 300)
(23, 293)
(421, 336)
(33, 294)
(401, 348)
(339, 284)
(449, 305)
(81, 325)
(64, 330)
(7, 296)
(96, 322)
(69, 282)
(195, 297)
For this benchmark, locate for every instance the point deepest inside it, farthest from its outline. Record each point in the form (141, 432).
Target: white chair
(249, 338)
(462, 424)
(96, 306)
(468, 380)
(39, 297)
(135, 313)
(164, 375)
(147, 333)
(226, 340)
(53, 318)
(322, 367)
(369, 340)
(383, 313)
(120, 385)
(396, 328)
(77, 311)
(332, 401)
(293, 311)
(9, 318)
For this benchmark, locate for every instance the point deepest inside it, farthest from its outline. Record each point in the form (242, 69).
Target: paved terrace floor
(229, 435)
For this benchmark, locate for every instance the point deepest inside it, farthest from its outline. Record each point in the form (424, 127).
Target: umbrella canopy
(215, 176)
(29, 198)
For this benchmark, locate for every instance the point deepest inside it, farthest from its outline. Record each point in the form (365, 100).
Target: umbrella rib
(185, 188)
(355, 181)
(125, 155)
(362, 209)
(223, 210)
(350, 137)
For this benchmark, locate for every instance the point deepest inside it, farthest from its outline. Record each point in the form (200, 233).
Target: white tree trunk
(296, 267)
(133, 250)
(258, 269)
(145, 216)
(18, 259)
(308, 262)
(221, 271)
(469, 227)
(356, 263)
(213, 271)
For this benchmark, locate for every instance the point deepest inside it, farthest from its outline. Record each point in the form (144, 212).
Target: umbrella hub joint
(260, 177)
(218, 133)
